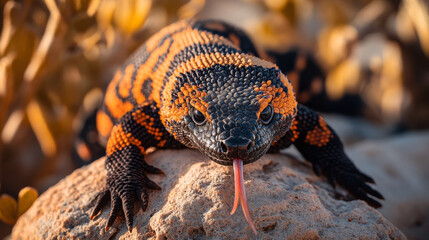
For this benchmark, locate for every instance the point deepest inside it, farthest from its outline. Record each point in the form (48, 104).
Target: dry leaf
(40, 127)
(105, 13)
(340, 79)
(418, 12)
(8, 209)
(92, 7)
(26, 198)
(334, 42)
(191, 9)
(130, 15)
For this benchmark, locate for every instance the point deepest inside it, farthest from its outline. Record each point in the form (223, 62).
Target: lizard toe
(150, 184)
(114, 212)
(371, 191)
(365, 177)
(128, 205)
(102, 200)
(151, 169)
(358, 188)
(359, 193)
(144, 198)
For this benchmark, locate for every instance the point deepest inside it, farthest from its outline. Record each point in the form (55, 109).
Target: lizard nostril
(249, 146)
(236, 146)
(223, 147)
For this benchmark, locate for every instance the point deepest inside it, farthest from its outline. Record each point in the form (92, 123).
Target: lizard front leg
(320, 145)
(127, 182)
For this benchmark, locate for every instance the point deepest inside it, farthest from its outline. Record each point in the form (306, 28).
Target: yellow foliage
(129, 15)
(272, 31)
(40, 127)
(418, 12)
(105, 13)
(8, 212)
(26, 198)
(92, 7)
(334, 43)
(342, 78)
(190, 9)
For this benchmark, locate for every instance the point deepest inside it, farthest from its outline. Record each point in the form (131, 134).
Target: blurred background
(56, 57)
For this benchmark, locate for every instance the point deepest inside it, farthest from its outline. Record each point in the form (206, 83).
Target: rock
(286, 201)
(400, 166)
(352, 130)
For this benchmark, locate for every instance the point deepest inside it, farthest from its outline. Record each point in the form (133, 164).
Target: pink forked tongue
(241, 192)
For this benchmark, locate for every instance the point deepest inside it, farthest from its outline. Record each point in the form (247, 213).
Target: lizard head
(229, 110)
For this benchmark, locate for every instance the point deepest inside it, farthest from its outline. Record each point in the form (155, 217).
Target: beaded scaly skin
(204, 85)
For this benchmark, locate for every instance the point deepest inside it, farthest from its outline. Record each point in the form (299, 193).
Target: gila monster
(205, 85)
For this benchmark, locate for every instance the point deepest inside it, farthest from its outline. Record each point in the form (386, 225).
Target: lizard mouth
(240, 192)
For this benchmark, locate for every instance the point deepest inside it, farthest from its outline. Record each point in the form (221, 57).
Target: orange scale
(275, 104)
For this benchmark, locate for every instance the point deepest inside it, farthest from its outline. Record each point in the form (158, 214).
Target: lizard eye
(267, 114)
(198, 117)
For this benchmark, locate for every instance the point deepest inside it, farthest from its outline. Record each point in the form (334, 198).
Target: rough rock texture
(400, 167)
(286, 200)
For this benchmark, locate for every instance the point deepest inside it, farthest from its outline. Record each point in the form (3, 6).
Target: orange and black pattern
(320, 145)
(204, 85)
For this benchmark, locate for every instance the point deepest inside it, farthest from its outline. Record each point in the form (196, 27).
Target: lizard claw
(151, 169)
(150, 184)
(114, 212)
(128, 204)
(363, 191)
(123, 192)
(144, 198)
(123, 203)
(353, 180)
(365, 177)
(102, 199)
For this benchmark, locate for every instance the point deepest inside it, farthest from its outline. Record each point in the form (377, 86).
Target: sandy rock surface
(286, 200)
(400, 166)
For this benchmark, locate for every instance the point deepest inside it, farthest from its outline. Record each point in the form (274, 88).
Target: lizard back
(152, 74)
